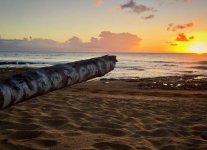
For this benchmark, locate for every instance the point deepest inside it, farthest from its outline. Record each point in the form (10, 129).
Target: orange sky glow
(156, 26)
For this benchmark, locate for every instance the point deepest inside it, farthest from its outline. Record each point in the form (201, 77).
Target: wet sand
(167, 113)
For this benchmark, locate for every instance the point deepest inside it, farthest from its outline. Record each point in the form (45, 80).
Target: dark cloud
(172, 27)
(164, 1)
(107, 41)
(148, 17)
(130, 4)
(173, 44)
(137, 8)
(192, 37)
(161, 2)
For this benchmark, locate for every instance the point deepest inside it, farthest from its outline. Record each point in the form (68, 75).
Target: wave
(166, 62)
(187, 62)
(131, 68)
(20, 63)
(202, 62)
(200, 67)
(169, 65)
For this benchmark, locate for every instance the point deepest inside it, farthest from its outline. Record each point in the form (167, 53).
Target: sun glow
(198, 48)
(197, 45)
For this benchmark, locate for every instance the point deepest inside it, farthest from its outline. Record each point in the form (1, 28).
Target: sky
(159, 26)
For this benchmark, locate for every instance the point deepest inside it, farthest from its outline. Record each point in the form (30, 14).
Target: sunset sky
(104, 25)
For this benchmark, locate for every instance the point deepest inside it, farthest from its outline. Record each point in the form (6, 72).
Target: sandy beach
(166, 113)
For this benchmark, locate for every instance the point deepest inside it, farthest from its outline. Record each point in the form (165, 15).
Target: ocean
(129, 66)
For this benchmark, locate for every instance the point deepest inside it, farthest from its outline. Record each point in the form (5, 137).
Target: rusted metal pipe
(22, 87)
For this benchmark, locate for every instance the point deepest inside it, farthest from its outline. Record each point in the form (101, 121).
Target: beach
(103, 75)
(144, 114)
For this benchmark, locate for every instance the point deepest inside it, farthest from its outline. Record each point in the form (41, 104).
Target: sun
(198, 48)
(198, 45)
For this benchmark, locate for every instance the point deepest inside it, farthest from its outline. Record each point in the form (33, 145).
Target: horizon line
(108, 52)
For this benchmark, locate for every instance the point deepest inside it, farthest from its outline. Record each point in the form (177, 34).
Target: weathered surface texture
(37, 82)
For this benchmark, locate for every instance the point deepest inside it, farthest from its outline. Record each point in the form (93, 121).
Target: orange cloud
(183, 38)
(98, 3)
(107, 41)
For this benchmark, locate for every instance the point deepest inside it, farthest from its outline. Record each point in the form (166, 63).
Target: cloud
(130, 4)
(148, 17)
(25, 44)
(106, 42)
(192, 37)
(183, 0)
(161, 2)
(172, 43)
(136, 8)
(181, 37)
(172, 27)
(98, 3)
(109, 41)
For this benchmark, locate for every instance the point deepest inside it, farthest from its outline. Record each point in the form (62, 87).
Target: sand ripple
(81, 118)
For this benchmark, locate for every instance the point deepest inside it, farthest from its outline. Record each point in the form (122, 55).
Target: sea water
(129, 66)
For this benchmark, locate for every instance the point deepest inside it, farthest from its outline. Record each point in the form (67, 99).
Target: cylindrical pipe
(37, 82)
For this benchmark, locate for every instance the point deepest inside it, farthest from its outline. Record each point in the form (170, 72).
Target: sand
(109, 115)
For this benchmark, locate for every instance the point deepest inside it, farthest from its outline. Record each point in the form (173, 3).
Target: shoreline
(180, 82)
